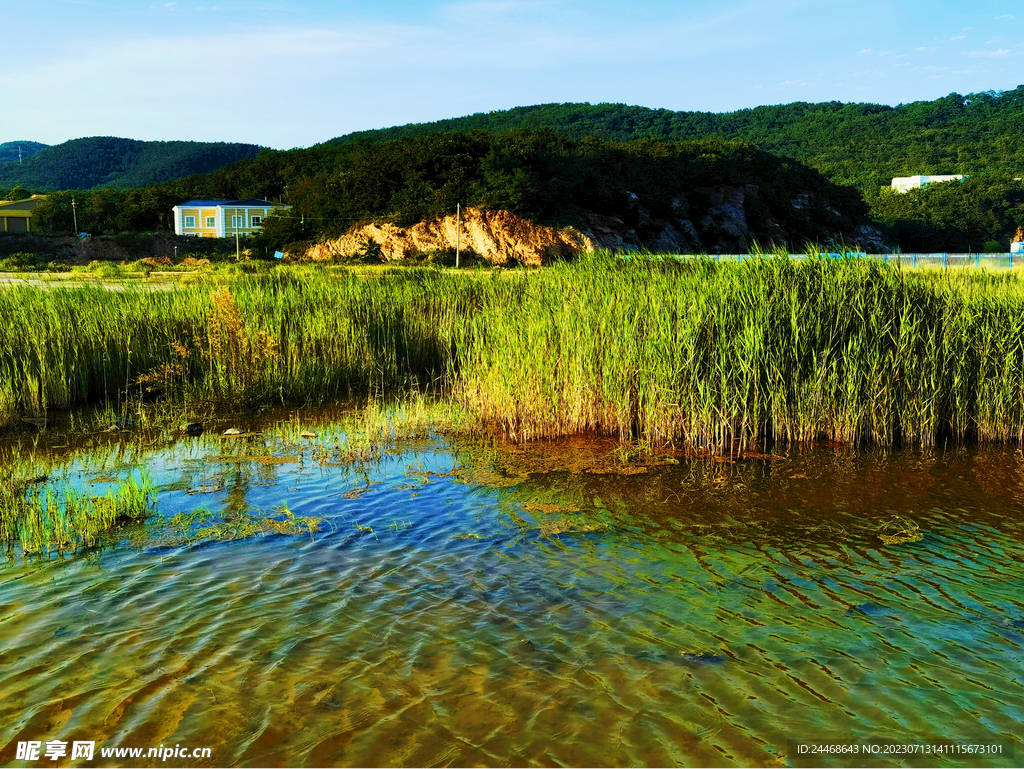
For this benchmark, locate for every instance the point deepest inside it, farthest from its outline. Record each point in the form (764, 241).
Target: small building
(222, 218)
(922, 181)
(16, 215)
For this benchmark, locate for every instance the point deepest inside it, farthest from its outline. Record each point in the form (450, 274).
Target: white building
(921, 181)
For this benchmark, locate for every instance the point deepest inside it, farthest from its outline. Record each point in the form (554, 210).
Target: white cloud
(978, 54)
(866, 50)
(958, 37)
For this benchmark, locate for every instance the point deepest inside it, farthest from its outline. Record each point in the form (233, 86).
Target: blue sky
(292, 74)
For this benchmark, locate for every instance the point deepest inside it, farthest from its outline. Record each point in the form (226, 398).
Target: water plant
(722, 356)
(715, 357)
(45, 519)
(202, 526)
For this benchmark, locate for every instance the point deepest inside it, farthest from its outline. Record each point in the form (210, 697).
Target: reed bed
(286, 338)
(708, 356)
(719, 357)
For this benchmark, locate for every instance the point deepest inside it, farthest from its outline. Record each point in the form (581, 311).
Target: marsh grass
(714, 357)
(723, 356)
(44, 519)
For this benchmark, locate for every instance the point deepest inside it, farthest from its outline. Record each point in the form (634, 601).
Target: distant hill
(864, 145)
(15, 151)
(105, 161)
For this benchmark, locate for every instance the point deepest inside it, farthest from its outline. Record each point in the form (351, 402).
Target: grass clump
(720, 356)
(42, 520)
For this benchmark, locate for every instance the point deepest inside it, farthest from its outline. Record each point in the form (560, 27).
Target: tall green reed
(706, 355)
(721, 356)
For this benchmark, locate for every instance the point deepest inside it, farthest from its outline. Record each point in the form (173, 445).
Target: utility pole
(458, 233)
(74, 213)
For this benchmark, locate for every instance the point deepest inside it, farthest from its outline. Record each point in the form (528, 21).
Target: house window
(190, 221)
(255, 221)
(236, 221)
(211, 221)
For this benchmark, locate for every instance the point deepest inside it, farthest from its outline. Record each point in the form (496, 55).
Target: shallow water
(493, 606)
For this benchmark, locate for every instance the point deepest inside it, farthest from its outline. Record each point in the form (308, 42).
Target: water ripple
(553, 619)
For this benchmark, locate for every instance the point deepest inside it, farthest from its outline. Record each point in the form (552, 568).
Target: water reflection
(470, 605)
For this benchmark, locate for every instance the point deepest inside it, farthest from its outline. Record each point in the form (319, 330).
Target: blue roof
(252, 203)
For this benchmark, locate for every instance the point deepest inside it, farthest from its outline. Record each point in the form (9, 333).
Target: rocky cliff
(723, 220)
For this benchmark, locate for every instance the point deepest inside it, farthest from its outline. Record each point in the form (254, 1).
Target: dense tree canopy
(18, 152)
(863, 145)
(105, 161)
(955, 216)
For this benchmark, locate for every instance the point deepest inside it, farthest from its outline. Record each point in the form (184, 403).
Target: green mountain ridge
(18, 151)
(709, 195)
(106, 161)
(858, 144)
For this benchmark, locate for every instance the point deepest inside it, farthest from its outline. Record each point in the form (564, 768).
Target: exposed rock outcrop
(725, 222)
(500, 237)
(610, 232)
(870, 240)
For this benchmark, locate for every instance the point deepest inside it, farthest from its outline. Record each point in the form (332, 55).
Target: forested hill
(105, 161)
(708, 195)
(864, 145)
(18, 151)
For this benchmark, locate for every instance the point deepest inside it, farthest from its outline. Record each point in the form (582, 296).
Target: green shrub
(372, 252)
(20, 261)
(108, 270)
(993, 247)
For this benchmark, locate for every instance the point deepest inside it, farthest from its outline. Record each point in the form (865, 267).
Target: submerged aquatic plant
(201, 526)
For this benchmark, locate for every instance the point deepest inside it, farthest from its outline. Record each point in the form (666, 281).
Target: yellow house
(16, 215)
(221, 218)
